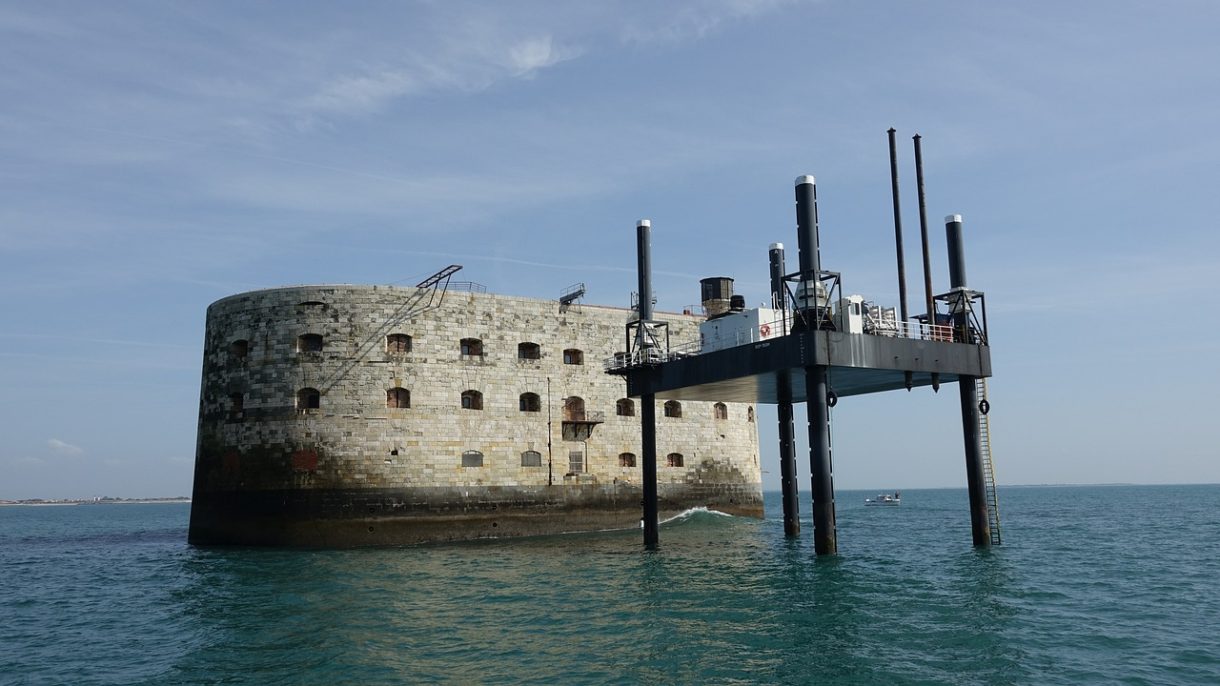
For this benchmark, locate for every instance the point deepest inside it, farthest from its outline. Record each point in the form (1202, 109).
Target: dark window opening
(472, 347)
(625, 407)
(720, 411)
(472, 400)
(750, 414)
(626, 459)
(309, 343)
(309, 399)
(398, 397)
(239, 349)
(673, 408)
(531, 458)
(574, 409)
(573, 356)
(530, 402)
(398, 343)
(237, 405)
(472, 458)
(673, 460)
(529, 351)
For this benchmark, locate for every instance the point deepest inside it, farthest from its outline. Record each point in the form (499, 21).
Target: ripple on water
(1101, 585)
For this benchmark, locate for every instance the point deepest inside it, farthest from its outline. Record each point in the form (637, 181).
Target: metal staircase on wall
(429, 295)
(993, 503)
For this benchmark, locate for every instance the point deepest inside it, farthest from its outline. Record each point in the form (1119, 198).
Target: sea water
(1092, 585)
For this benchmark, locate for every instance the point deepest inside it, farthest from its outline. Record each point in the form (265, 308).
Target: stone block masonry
(321, 423)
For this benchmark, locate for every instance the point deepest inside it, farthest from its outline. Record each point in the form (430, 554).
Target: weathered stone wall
(254, 437)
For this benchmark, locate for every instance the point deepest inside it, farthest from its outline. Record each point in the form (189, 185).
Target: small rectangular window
(576, 462)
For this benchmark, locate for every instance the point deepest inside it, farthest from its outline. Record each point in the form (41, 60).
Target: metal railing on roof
(645, 357)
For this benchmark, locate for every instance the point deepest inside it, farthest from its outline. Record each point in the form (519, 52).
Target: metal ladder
(428, 295)
(993, 503)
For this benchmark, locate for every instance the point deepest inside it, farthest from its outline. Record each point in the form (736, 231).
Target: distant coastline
(93, 501)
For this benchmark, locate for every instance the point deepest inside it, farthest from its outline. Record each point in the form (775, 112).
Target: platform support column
(825, 536)
(648, 434)
(783, 384)
(809, 300)
(648, 401)
(980, 522)
(787, 457)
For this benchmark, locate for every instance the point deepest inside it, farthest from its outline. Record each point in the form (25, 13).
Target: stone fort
(375, 415)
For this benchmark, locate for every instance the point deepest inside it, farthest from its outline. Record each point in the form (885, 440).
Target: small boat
(885, 499)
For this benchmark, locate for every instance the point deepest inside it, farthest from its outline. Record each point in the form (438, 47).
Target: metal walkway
(429, 294)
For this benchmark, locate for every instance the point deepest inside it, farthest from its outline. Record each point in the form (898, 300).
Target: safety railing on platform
(919, 331)
(913, 330)
(590, 417)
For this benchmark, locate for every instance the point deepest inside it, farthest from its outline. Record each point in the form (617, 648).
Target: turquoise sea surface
(1093, 585)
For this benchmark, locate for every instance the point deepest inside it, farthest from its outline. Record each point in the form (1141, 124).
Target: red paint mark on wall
(230, 462)
(305, 461)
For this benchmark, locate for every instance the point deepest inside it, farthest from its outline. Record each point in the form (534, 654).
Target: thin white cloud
(696, 20)
(13, 20)
(528, 56)
(362, 93)
(101, 341)
(62, 448)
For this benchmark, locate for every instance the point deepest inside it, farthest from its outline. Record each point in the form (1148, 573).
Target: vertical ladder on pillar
(993, 503)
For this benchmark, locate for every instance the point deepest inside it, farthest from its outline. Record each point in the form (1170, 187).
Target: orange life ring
(765, 330)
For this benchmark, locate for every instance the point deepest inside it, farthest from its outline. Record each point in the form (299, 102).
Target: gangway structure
(429, 294)
(816, 351)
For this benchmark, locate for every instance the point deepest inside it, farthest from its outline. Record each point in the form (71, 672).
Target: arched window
(530, 402)
(749, 414)
(673, 408)
(472, 400)
(673, 460)
(472, 458)
(398, 343)
(626, 459)
(472, 347)
(720, 411)
(529, 351)
(237, 405)
(573, 356)
(309, 343)
(531, 458)
(309, 399)
(239, 348)
(398, 397)
(625, 407)
(574, 409)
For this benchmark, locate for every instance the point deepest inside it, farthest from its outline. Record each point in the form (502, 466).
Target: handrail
(913, 330)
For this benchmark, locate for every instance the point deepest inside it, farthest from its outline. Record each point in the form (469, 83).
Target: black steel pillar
(808, 250)
(648, 436)
(825, 536)
(825, 540)
(648, 401)
(902, 267)
(787, 433)
(902, 264)
(929, 302)
(923, 229)
(980, 523)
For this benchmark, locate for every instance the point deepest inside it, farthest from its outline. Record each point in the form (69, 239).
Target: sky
(157, 156)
